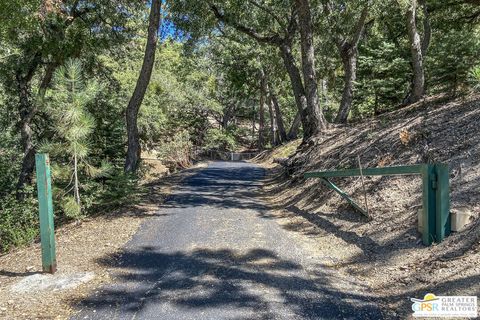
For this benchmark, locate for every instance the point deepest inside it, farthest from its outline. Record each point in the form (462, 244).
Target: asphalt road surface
(212, 252)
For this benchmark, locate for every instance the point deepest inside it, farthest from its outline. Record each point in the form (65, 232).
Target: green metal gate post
(429, 183)
(47, 232)
(443, 222)
(435, 189)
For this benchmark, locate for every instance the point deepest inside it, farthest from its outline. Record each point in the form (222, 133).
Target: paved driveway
(213, 253)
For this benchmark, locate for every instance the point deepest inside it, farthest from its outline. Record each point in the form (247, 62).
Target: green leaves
(106, 169)
(18, 220)
(474, 78)
(177, 153)
(69, 101)
(453, 54)
(218, 139)
(74, 125)
(70, 208)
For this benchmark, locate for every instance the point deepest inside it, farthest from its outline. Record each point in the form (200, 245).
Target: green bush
(119, 189)
(70, 208)
(9, 166)
(176, 154)
(220, 140)
(474, 78)
(18, 221)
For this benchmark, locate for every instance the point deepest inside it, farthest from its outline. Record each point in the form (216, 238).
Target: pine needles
(74, 126)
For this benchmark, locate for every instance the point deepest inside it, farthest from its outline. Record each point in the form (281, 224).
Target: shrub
(219, 139)
(119, 189)
(474, 78)
(18, 220)
(176, 154)
(9, 166)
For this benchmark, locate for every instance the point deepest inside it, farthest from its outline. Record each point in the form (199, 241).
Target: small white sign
(445, 306)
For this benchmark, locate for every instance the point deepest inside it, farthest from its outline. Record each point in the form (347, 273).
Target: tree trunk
(132, 160)
(310, 119)
(227, 115)
(278, 114)
(261, 110)
(293, 132)
(253, 125)
(26, 111)
(274, 137)
(261, 125)
(349, 60)
(427, 33)
(297, 87)
(26, 133)
(315, 119)
(47, 79)
(418, 83)
(326, 103)
(427, 28)
(348, 48)
(76, 184)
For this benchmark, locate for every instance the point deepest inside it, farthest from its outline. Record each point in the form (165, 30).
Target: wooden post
(47, 232)
(429, 182)
(443, 222)
(363, 186)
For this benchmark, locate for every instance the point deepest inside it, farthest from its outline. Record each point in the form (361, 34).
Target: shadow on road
(161, 275)
(220, 187)
(206, 279)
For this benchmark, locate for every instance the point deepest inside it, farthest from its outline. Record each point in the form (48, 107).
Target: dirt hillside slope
(387, 252)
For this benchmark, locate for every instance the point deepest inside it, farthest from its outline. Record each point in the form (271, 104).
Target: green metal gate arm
(400, 170)
(435, 193)
(352, 202)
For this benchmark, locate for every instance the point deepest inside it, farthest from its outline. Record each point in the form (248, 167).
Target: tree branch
(339, 40)
(475, 2)
(360, 26)
(426, 28)
(270, 12)
(292, 26)
(272, 39)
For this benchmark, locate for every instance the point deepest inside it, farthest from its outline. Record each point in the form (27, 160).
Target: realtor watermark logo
(445, 306)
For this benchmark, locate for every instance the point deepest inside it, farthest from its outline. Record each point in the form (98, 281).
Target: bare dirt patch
(80, 247)
(266, 158)
(386, 253)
